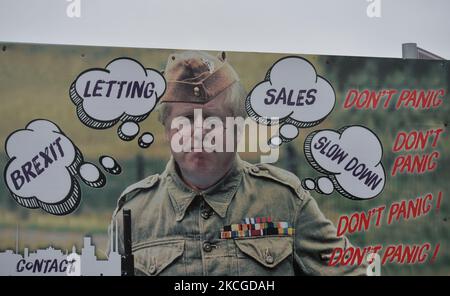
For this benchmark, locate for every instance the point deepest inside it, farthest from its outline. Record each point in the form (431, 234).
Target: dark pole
(127, 257)
(140, 166)
(291, 156)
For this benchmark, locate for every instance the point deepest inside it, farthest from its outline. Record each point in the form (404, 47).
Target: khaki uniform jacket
(176, 231)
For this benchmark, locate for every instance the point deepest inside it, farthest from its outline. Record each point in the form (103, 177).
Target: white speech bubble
(351, 157)
(42, 168)
(293, 93)
(123, 91)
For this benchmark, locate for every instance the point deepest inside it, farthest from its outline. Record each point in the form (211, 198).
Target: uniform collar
(218, 196)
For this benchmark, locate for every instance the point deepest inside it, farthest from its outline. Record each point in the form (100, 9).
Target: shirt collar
(218, 196)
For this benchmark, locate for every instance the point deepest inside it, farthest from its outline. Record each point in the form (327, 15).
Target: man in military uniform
(211, 213)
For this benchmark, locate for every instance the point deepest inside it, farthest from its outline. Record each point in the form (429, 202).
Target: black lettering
(29, 266)
(289, 102)
(360, 166)
(149, 93)
(300, 97)
(37, 165)
(47, 159)
(372, 179)
(97, 88)
(320, 143)
(110, 83)
(52, 150)
(322, 151)
(53, 266)
(137, 89)
(121, 84)
(38, 266)
(269, 93)
(311, 96)
(331, 151)
(281, 96)
(17, 179)
(341, 155)
(348, 166)
(59, 146)
(26, 169)
(20, 267)
(86, 90)
(63, 265)
(127, 95)
(374, 182)
(46, 265)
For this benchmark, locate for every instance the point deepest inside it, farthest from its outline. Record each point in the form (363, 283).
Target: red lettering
(420, 99)
(415, 164)
(415, 140)
(368, 99)
(407, 209)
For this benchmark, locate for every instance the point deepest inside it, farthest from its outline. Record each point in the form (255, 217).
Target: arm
(315, 239)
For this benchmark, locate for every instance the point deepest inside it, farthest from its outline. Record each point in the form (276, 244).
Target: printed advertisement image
(129, 161)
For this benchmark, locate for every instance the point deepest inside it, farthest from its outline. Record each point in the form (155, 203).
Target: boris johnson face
(195, 127)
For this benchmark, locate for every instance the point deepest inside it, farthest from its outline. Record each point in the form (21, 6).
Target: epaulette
(280, 176)
(126, 195)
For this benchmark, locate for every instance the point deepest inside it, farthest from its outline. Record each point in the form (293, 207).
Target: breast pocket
(159, 257)
(265, 256)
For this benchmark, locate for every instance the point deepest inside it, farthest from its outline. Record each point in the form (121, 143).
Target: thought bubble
(294, 94)
(124, 91)
(351, 157)
(110, 165)
(275, 141)
(322, 185)
(289, 131)
(128, 130)
(145, 140)
(308, 184)
(42, 166)
(91, 175)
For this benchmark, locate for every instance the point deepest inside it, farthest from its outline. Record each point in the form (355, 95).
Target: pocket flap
(153, 257)
(269, 251)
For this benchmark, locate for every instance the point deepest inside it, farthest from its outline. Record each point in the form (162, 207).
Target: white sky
(338, 27)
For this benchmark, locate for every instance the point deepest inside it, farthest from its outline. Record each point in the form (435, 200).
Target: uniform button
(152, 269)
(205, 214)
(269, 259)
(196, 91)
(207, 247)
(255, 169)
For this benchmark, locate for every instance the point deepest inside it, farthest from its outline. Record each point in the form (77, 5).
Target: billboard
(174, 162)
